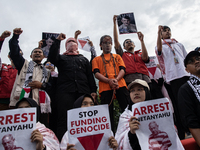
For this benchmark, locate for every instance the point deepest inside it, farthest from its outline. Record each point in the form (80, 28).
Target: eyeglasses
(128, 41)
(49, 65)
(192, 60)
(138, 90)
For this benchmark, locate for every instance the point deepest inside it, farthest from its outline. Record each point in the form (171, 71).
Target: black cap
(197, 48)
(190, 55)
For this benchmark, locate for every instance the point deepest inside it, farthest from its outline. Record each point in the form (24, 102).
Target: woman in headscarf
(85, 100)
(128, 124)
(44, 137)
(75, 78)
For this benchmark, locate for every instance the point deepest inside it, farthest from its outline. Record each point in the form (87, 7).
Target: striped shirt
(159, 141)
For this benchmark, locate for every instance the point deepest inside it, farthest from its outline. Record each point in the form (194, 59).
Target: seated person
(128, 124)
(44, 137)
(84, 101)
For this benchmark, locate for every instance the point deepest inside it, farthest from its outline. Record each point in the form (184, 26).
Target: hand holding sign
(112, 143)
(134, 124)
(37, 137)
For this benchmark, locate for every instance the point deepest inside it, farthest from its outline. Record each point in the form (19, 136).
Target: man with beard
(134, 60)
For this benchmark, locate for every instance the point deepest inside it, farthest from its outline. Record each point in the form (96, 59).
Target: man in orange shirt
(109, 69)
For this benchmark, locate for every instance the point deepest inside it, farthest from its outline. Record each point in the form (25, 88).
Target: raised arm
(15, 55)
(76, 34)
(4, 35)
(92, 50)
(54, 49)
(117, 45)
(145, 56)
(159, 39)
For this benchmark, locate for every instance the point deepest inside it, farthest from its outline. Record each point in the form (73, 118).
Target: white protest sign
(89, 127)
(83, 43)
(16, 127)
(156, 128)
(154, 71)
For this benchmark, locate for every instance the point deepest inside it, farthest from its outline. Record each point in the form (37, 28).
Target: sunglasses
(49, 65)
(128, 41)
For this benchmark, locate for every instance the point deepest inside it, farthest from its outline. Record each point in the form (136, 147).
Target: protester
(43, 136)
(189, 96)
(92, 49)
(52, 93)
(171, 54)
(109, 69)
(74, 79)
(7, 77)
(32, 78)
(134, 60)
(128, 124)
(85, 100)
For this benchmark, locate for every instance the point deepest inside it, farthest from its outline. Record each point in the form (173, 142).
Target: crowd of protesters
(123, 76)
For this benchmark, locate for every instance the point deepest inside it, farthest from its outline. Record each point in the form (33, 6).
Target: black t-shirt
(189, 107)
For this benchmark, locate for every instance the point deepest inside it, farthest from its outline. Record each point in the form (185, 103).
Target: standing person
(109, 69)
(171, 54)
(134, 60)
(74, 79)
(52, 94)
(189, 96)
(32, 77)
(7, 77)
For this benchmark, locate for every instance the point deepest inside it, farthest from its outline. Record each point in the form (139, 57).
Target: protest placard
(16, 127)
(154, 71)
(89, 127)
(49, 38)
(156, 130)
(126, 23)
(83, 43)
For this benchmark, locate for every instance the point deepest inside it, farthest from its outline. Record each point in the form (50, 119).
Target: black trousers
(175, 85)
(65, 102)
(123, 97)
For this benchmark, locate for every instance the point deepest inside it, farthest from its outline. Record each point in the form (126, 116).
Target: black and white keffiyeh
(194, 83)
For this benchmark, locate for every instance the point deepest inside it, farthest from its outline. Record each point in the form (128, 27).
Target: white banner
(154, 71)
(156, 130)
(89, 127)
(83, 43)
(16, 127)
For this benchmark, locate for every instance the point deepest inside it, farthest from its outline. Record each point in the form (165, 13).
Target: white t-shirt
(173, 71)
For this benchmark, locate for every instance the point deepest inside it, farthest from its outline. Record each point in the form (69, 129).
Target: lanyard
(170, 47)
